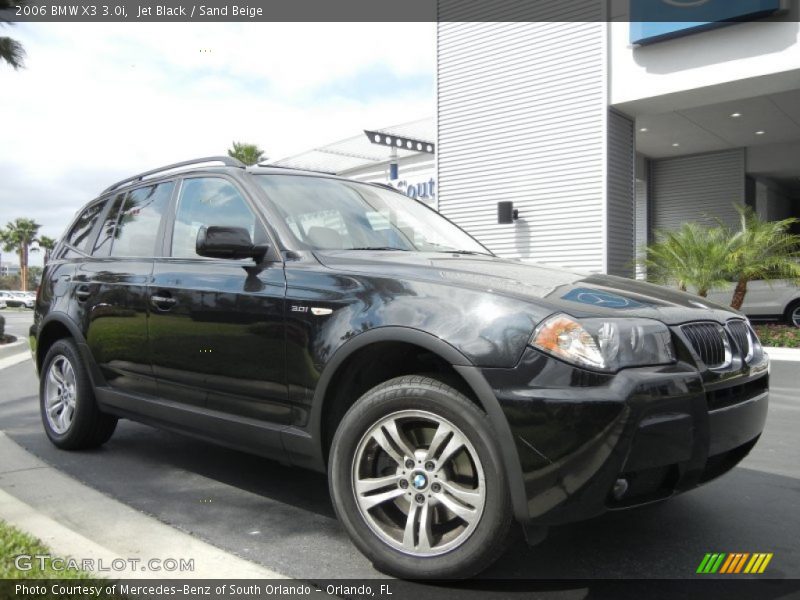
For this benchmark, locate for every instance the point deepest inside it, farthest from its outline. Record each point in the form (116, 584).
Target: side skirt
(238, 433)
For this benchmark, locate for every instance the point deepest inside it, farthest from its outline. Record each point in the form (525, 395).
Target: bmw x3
(449, 394)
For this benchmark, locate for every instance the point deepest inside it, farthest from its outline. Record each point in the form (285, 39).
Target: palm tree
(47, 244)
(691, 257)
(35, 276)
(249, 154)
(19, 236)
(762, 250)
(11, 51)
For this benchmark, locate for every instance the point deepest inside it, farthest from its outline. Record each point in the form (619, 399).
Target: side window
(103, 243)
(79, 234)
(208, 201)
(139, 220)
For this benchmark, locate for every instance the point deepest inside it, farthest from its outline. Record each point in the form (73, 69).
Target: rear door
(111, 285)
(57, 288)
(217, 327)
(767, 298)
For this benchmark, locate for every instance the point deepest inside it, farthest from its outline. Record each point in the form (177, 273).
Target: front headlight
(605, 344)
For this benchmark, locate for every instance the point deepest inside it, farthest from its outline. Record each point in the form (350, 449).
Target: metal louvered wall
(522, 116)
(703, 187)
(621, 211)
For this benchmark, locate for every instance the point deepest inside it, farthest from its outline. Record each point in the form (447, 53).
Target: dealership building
(601, 130)
(360, 157)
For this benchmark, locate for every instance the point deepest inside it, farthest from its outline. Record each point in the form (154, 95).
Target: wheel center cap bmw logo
(420, 481)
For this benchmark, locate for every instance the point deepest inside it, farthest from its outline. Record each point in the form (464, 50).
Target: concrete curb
(787, 354)
(21, 345)
(15, 359)
(75, 520)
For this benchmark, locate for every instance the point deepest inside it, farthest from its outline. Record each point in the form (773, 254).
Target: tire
(64, 382)
(417, 407)
(792, 314)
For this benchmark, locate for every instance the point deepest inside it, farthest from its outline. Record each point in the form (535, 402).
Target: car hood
(580, 295)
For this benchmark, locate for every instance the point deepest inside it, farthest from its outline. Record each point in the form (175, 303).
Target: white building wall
(733, 62)
(522, 116)
(642, 214)
(642, 227)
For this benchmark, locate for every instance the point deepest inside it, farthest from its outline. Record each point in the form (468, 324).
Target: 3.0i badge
(315, 310)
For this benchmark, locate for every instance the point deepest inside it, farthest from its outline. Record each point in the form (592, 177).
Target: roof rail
(266, 165)
(228, 161)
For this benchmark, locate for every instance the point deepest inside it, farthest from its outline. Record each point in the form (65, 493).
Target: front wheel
(418, 482)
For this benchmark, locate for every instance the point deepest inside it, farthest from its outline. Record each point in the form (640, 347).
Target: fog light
(620, 488)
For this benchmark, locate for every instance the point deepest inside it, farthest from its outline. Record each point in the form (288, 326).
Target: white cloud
(98, 102)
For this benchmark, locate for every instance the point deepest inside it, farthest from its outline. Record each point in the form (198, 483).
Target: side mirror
(227, 242)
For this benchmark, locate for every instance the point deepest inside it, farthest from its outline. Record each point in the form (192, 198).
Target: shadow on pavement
(282, 517)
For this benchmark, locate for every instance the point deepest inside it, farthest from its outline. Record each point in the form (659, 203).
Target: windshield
(335, 214)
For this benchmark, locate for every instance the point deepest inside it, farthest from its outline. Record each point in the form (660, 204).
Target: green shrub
(781, 336)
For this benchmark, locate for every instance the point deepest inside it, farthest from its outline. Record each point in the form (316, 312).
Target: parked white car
(778, 299)
(18, 299)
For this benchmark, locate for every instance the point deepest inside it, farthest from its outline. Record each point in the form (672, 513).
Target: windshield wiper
(378, 248)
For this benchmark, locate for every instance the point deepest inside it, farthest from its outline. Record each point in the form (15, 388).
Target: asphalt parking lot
(282, 517)
(18, 320)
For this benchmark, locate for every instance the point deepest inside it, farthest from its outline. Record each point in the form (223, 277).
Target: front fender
(471, 374)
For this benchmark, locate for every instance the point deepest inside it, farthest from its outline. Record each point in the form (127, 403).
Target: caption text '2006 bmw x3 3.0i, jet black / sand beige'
(344, 327)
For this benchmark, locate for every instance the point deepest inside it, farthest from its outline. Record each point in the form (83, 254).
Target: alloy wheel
(418, 483)
(60, 395)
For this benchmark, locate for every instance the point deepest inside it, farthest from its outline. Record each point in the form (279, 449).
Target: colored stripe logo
(735, 562)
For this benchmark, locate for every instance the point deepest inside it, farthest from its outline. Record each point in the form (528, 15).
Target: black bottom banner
(391, 589)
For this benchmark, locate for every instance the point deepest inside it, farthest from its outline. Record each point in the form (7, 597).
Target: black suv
(343, 327)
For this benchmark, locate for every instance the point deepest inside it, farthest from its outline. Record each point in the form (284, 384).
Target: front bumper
(662, 430)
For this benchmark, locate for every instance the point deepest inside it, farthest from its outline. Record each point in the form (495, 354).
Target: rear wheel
(69, 411)
(417, 481)
(793, 314)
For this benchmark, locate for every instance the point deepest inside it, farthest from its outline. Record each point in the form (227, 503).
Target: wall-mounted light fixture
(506, 213)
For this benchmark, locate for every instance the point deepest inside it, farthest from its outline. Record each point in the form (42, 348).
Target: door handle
(82, 292)
(164, 302)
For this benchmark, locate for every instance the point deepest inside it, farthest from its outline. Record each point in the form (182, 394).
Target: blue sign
(425, 190)
(656, 20)
(600, 298)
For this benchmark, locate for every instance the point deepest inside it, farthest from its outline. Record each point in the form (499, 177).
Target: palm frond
(694, 256)
(12, 52)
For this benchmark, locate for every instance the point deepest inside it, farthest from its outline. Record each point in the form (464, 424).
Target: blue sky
(98, 102)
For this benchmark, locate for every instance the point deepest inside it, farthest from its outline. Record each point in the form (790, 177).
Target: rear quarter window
(78, 236)
(102, 246)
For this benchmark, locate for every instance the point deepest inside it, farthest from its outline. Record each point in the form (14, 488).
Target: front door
(217, 326)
